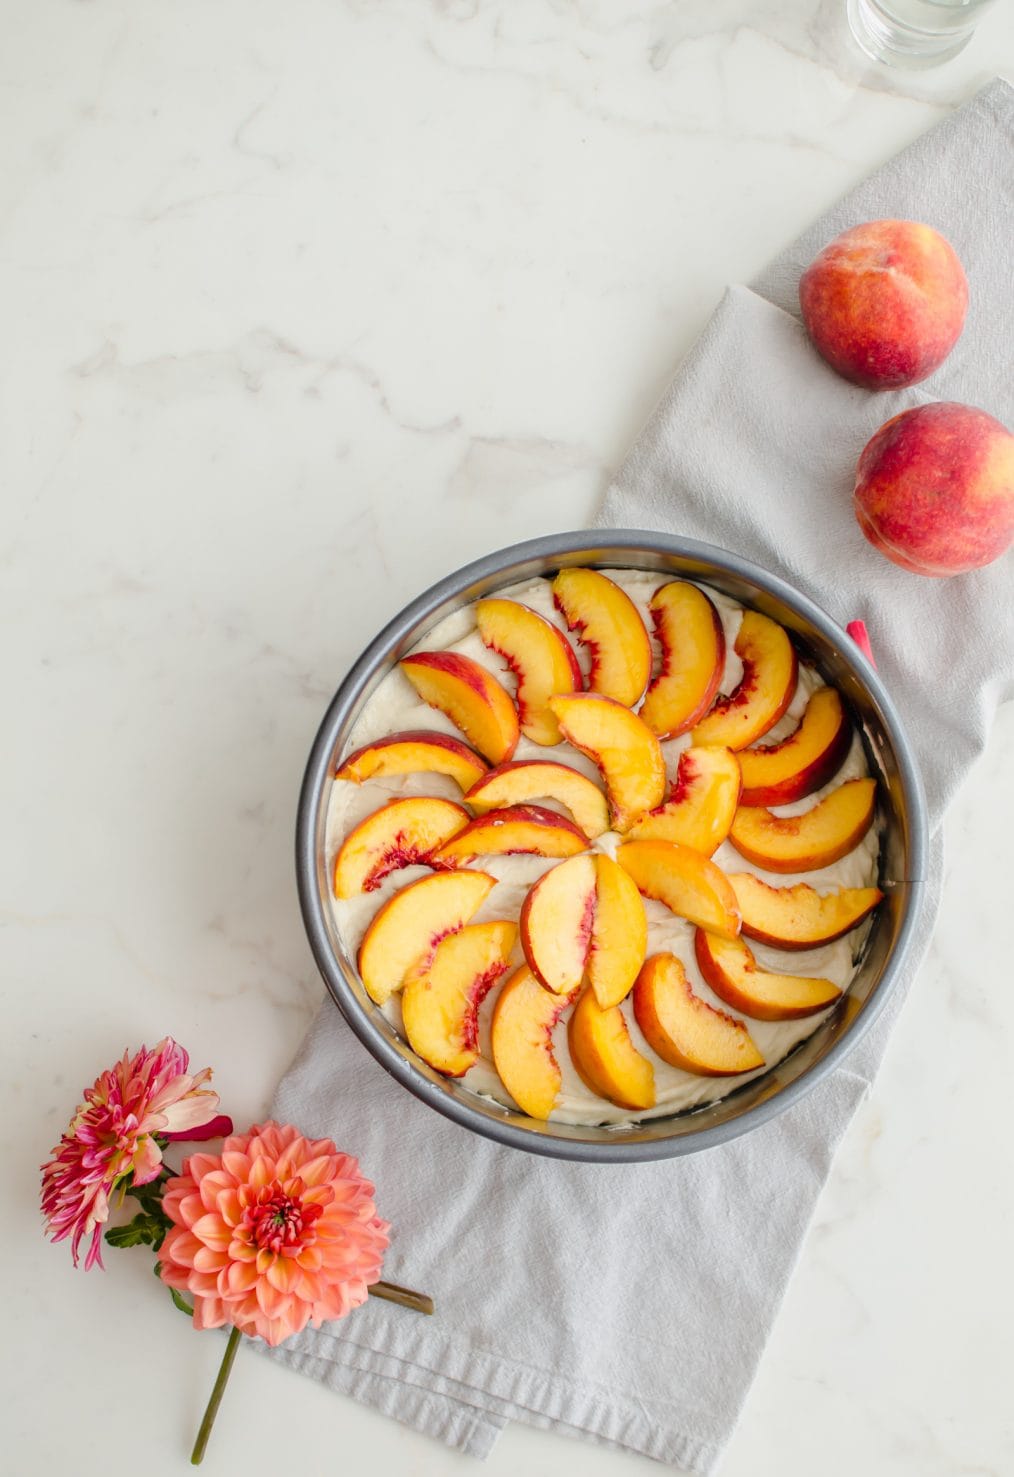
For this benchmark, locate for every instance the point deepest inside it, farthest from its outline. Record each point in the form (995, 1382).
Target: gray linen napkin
(631, 1304)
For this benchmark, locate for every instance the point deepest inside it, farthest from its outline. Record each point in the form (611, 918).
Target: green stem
(197, 1455)
(418, 1301)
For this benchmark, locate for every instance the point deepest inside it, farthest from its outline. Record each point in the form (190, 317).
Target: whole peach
(935, 489)
(885, 303)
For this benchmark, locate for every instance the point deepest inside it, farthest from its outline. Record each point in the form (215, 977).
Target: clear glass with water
(914, 33)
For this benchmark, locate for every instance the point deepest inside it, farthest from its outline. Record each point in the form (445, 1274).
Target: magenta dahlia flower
(113, 1135)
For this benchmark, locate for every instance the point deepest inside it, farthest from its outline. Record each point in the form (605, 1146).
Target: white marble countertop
(303, 306)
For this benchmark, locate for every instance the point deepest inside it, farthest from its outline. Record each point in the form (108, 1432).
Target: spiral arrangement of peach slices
(583, 927)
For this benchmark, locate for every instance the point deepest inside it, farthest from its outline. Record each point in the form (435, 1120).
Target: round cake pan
(902, 860)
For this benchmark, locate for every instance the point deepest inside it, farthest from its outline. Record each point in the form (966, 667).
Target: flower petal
(180, 1247)
(317, 1171)
(209, 1312)
(147, 1160)
(237, 1164)
(283, 1274)
(212, 1230)
(210, 1259)
(241, 1276)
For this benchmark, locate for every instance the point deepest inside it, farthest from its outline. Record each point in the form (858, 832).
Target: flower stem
(197, 1455)
(417, 1301)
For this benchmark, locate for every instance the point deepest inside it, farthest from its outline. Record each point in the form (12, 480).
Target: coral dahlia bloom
(111, 1136)
(275, 1232)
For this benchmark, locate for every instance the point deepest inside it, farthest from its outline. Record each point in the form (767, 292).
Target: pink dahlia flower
(275, 1232)
(112, 1136)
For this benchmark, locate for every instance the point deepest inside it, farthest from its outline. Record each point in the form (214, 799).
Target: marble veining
(303, 307)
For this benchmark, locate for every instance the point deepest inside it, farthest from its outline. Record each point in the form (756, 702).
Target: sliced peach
(733, 973)
(799, 917)
(536, 779)
(397, 835)
(608, 624)
(406, 930)
(818, 837)
(776, 774)
(440, 1003)
(687, 883)
(701, 805)
(520, 828)
(765, 691)
(539, 655)
(471, 698)
(606, 1058)
(685, 1030)
(419, 750)
(523, 1020)
(627, 753)
(556, 924)
(690, 634)
(619, 936)
(585, 914)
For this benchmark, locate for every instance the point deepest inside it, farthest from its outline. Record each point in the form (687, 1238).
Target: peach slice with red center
(685, 1030)
(690, 634)
(799, 917)
(818, 837)
(399, 834)
(777, 774)
(538, 779)
(405, 931)
(769, 676)
(539, 655)
(605, 1057)
(687, 883)
(701, 805)
(585, 915)
(519, 828)
(556, 924)
(418, 750)
(608, 624)
(469, 696)
(626, 752)
(522, 1037)
(733, 973)
(440, 1003)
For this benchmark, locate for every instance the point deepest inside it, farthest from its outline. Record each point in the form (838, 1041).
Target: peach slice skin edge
(692, 639)
(399, 834)
(799, 917)
(556, 924)
(777, 774)
(609, 624)
(517, 829)
(525, 780)
(619, 936)
(416, 751)
(472, 698)
(606, 1059)
(539, 655)
(687, 883)
(440, 1003)
(770, 669)
(626, 752)
(702, 803)
(816, 838)
(685, 1030)
(522, 1038)
(585, 918)
(404, 932)
(733, 973)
